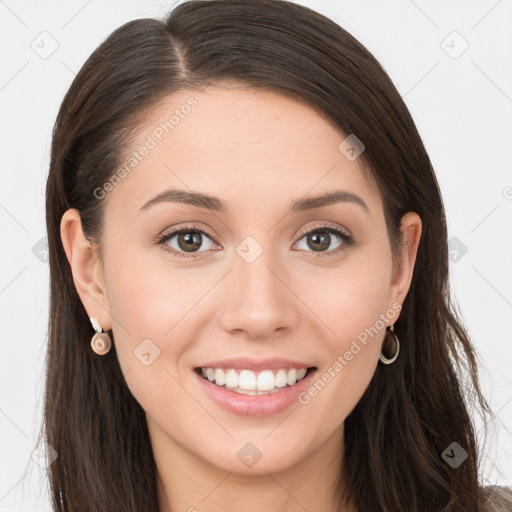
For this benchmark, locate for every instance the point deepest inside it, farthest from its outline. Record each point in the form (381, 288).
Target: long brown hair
(412, 410)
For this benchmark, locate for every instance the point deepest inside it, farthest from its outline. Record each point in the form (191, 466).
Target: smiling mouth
(248, 382)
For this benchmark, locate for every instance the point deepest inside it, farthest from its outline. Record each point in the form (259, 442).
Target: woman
(241, 207)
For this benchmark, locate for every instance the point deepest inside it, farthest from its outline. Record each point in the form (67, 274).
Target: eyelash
(347, 240)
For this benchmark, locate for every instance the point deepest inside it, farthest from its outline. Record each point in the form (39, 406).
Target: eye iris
(189, 240)
(324, 244)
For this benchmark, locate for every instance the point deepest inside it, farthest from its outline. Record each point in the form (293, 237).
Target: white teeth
(220, 379)
(231, 379)
(292, 377)
(265, 381)
(255, 392)
(281, 378)
(249, 382)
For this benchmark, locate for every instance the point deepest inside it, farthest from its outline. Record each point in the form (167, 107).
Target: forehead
(242, 144)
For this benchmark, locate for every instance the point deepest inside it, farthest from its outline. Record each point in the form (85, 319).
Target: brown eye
(186, 241)
(319, 241)
(189, 240)
(320, 238)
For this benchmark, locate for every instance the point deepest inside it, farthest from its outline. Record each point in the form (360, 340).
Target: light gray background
(462, 107)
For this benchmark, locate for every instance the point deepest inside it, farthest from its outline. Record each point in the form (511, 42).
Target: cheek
(148, 292)
(136, 294)
(144, 302)
(349, 298)
(150, 298)
(147, 302)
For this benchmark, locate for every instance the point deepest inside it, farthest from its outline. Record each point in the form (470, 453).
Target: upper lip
(273, 363)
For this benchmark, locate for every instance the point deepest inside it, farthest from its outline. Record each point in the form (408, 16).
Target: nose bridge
(256, 280)
(259, 301)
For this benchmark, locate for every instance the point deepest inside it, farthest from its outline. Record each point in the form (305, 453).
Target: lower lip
(255, 405)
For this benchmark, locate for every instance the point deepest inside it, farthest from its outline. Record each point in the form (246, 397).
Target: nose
(259, 298)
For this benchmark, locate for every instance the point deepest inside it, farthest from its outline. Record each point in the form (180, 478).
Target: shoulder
(497, 498)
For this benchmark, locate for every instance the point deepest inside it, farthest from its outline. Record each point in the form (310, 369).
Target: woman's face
(253, 285)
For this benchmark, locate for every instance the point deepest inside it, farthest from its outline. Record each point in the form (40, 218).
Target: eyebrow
(216, 204)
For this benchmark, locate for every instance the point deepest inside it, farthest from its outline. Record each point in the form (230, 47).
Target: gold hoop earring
(101, 341)
(383, 359)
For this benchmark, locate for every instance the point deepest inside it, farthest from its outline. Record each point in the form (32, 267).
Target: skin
(257, 151)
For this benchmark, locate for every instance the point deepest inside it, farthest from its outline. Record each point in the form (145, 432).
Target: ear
(410, 226)
(86, 267)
